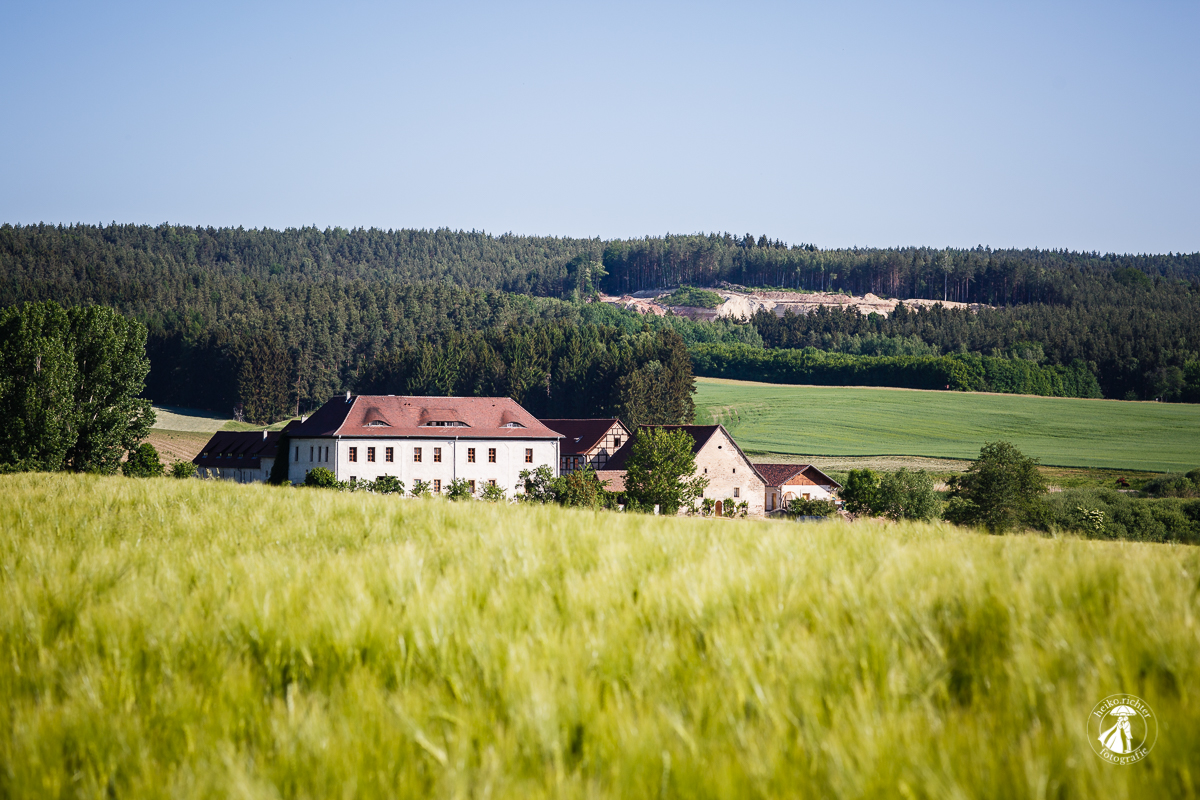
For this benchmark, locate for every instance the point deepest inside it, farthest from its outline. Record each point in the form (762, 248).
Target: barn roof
(362, 416)
(580, 435)
(238, 449)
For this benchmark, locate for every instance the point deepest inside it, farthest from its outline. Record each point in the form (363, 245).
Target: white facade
(441, 459)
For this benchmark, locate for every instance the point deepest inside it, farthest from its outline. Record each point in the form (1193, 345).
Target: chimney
(264, 436)
(347, 395)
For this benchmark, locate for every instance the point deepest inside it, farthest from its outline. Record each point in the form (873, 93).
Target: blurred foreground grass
(189, 638)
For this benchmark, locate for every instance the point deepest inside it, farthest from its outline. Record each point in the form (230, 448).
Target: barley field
(858, 421)
(195, 639)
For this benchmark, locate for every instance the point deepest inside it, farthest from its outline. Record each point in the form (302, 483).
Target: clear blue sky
(1029, 125)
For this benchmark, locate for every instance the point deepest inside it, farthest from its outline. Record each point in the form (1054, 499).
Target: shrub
(905, 494)
(860, 490)
(692, 297)
(799, 507)
(708, 506)
(538, 485)
(183, 469)
(1173, 485)
(493, 493)
(1109, 514)
(142, 463)
(421, 488)
(459, 489)
(1001, 490)
(584, 489)
(386, 484)
(321, 478)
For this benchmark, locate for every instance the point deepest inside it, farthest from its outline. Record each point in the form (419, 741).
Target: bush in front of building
(386, 484)
(322, 478)
(493, 493)
(799, 507)
(459, 489)
(142, 463)
(183, 469)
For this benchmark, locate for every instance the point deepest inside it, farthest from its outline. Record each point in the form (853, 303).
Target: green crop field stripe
(192, 638)
(856, 421)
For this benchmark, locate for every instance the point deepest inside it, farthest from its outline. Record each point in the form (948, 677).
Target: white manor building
(482, 440)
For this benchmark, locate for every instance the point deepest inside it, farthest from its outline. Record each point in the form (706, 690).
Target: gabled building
(786, 482)
(482, 440)
(587, 442)
(731, 476)
(241, 456)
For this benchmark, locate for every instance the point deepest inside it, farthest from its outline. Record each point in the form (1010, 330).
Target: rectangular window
(437, 486)
(470, 455)
(491, 483)
(737, 492)
(353, 479)
(297, 452)
(528, 455)
(353, 454)
(417, 454)
(472, 485)
(310, 454)
(370, 454)
(437, 455)
(491, 455)
(616, 442)
(389, 454)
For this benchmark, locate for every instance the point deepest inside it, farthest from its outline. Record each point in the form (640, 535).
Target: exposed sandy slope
(746, 304)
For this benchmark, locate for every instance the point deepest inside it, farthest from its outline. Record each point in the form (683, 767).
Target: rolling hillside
(852, 421)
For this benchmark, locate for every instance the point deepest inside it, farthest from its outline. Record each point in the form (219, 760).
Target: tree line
(966, 372)
(234, 315)
(1146, 346)
(553, 369)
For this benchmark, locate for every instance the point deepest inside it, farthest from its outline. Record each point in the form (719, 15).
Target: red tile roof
(580, 435)
(779, 474)
(399, 415)
(700, 435)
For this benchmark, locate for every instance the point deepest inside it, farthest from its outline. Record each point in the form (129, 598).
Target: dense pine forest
(251, 317)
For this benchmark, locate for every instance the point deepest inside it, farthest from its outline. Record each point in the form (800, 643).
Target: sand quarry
(739, 303)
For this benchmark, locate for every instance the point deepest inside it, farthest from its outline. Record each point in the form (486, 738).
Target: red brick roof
(580, 435)
(440, 417)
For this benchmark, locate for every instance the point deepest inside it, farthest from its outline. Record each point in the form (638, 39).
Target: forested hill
(308, 312)
(132, 265)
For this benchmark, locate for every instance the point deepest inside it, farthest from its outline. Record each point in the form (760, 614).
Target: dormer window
(515, 425)
(377, 423)
(444, 423)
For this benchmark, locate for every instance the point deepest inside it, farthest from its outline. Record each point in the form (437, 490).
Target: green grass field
(851, 421)
(196, 639)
